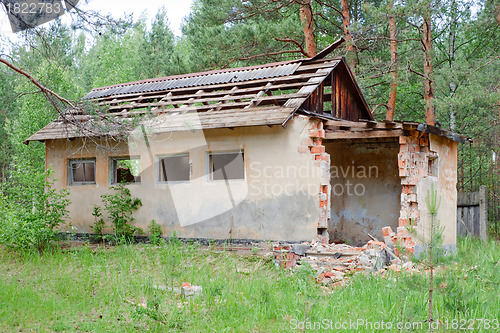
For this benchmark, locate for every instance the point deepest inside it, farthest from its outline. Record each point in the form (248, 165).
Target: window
(126, 170)
(174, 168)
(82, 172)
(224, 166)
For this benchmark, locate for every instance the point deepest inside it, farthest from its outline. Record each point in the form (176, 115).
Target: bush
(35, 227)
(120, 207)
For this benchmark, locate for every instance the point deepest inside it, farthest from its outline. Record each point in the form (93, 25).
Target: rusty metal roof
(198, 79)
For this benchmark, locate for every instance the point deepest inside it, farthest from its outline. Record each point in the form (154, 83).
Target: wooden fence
(472, 213)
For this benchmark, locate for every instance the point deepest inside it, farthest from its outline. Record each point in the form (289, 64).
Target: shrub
(120, 207)
(34, 227)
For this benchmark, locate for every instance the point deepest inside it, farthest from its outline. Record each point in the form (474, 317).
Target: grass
(90, 289)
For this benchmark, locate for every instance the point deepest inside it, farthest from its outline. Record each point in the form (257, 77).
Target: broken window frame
(71, 176)
(210, 165)
(113, 176)
(160, 167)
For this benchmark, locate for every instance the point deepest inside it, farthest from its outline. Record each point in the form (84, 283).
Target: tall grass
(91, 289)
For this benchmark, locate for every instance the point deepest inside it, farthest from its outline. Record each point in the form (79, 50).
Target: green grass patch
(89, 288)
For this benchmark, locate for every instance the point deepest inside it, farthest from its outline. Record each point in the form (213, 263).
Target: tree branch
(290, 40)
(47, 91)
(270, 54)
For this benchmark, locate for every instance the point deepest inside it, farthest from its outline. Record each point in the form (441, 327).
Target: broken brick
(317, 149)
(386, 231)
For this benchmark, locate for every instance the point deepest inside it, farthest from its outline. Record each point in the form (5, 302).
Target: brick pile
(333, 263)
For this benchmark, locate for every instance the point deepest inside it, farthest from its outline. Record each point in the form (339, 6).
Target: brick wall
(314, 145)
(413, 163)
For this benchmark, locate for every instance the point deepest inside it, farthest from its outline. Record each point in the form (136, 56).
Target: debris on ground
(334, 262)
(187, 290)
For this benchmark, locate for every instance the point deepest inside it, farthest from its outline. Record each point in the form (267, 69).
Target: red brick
(386, 231)
(377, 243)
(317, 134)
(318, 149)
(407, 189)
(322, 157)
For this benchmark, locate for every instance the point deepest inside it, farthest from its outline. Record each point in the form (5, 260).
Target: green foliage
(87, 283)
(35, 226)
(120, 207)
(155, 233)
(99, 224)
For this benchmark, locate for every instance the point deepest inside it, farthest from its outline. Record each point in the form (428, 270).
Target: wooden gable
(339, 96)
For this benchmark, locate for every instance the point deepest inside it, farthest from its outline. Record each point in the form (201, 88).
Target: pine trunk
(346, 23)
(394, 65)
(306, 17)
(430, 114)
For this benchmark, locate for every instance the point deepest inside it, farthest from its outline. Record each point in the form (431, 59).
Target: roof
(261, 95)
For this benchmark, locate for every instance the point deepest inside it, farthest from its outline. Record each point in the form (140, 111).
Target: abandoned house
(282, 151)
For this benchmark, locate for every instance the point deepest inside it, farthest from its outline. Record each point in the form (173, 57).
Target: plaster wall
(277, 200)
(365, 189)
(445, 183)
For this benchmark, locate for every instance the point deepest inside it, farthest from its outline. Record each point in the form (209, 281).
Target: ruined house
(282, 151)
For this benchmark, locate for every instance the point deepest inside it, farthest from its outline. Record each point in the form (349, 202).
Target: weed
(155, 233)
(98, 224)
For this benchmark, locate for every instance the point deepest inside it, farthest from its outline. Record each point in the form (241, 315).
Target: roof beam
(363, 134)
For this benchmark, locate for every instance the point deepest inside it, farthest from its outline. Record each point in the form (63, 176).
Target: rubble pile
(334, 262)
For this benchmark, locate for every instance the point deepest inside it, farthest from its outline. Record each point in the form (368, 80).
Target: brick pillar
(413, 159)
(314, 145)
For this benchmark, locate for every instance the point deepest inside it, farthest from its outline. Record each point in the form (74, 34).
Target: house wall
(365, 189)
(419, 177)
(445, 183)
(278, 200)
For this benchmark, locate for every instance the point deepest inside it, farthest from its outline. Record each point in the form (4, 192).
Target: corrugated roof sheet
(203, 79)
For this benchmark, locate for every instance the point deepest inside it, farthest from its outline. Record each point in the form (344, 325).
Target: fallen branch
(47, 91)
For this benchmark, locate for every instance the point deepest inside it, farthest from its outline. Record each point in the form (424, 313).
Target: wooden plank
(308, 90)
(337, 95)
(206, 94)
(259, 116)
(291, 79)
(483, 213)
(359, 124)
(363, 134)
(319, 98)
(206, 107)
(441, 132)
(257, 99)
(321, 65)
